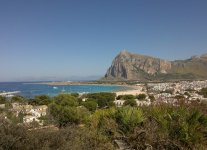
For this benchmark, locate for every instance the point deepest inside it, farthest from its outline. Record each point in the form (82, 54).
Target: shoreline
(130, 89)
(81, 83)
(76, 83)
(119, 89)
(135, 90)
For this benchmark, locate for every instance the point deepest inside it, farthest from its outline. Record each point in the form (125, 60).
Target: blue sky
(64, 39)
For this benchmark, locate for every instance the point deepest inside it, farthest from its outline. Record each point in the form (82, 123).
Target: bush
(179, 97)
(162, 126)
(181, 127)
(130, 102)
(66, 100)
(91, 105)
(40, 100)
(75, 95)
(103, 121)
(170, 91)
(152, 98)
(154, 127)
(103, 95)
(66, 115)
(65, 111)
(12, 136)
(19, 99)
(2, 100)
(126, 97)
(111, 104)
(102, 98)
(187, 94)
(203, 92)
(141, 96)
(73, 137)
(128, 118)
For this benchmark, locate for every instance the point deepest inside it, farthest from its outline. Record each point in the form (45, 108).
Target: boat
(55, 87)
(63, 90)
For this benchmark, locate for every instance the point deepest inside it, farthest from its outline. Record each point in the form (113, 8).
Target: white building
(119, 103)
(30, 118)
(143, 102)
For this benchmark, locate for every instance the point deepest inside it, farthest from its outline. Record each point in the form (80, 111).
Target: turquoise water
(31, 89)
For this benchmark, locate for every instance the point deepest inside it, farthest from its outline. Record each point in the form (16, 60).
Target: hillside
(127, 66)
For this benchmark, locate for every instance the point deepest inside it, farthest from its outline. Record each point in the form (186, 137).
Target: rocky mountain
(127, 66)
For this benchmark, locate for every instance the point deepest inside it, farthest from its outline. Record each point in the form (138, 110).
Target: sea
(29, 89)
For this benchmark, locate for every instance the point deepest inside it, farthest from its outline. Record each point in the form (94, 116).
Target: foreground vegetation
(83, 125)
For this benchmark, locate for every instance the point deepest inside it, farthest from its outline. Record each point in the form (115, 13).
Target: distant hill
(127, 66)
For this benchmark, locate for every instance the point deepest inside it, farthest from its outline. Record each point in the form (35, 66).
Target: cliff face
(129, 66)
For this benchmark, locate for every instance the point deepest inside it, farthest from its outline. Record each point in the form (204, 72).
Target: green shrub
(130, 102)
(103, 121)
(65, 111)
(203, 92)
(91, 105)
(19, 99)
(129, 117)
(2, 100)
(141, 96)
(162, 126)
(102, 98)
(40, 100)
(75, 95)
(126, 97)
(152, 98)
(180, 124)
(66, 100)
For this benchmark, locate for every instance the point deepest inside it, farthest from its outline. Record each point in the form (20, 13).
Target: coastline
(130, 89)
(135, 90)
(56, 83)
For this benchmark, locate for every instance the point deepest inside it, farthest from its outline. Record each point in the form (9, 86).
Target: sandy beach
(136, 90)
(131, 92)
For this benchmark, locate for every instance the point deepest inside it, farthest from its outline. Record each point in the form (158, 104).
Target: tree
(41, 100)
(75, 94)
(2, 100)
(187, 94)
(111, 104)
(102, 103)
(141, 96)
(12, 136)
(130, 102)
(13, 118)
(126, 97)
(19, 99)
(91, 105)
(102, 95)
(179, 97)
(119, 97)
(152, 98)
(203, 92)
(102, 98)
(65, 111)
(170, 91)
(68, 115)
(66, 100)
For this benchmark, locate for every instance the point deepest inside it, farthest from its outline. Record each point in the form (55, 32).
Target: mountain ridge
(128, 66)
